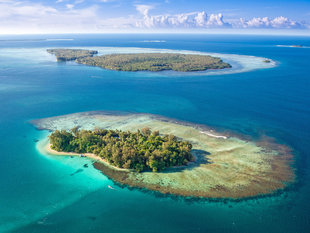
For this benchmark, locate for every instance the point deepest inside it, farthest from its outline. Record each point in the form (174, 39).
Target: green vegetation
(71, 54)
(142, 61)
(155, 62)
(142, 150)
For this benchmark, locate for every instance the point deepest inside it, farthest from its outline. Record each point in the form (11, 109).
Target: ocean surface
(41, 193)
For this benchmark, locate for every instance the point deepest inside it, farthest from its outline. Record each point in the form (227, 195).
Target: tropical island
(142, 150)
(224, 165)
(141, 61)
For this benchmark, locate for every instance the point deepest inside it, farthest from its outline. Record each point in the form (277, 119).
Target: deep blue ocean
(46, 194)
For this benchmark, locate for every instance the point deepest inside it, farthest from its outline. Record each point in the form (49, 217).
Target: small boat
(111, 187)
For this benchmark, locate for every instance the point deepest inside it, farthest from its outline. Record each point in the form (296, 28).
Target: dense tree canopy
(142, 150)
(155, 62)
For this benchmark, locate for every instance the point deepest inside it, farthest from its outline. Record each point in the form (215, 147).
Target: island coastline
(152, 62)
(248, 178)
(47, 148)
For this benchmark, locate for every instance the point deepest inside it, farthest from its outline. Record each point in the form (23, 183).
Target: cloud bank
(278, 22)
(185, 20)
(72, 17)
(203, 20)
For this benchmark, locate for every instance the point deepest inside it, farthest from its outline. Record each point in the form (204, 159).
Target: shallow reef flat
(225, 166)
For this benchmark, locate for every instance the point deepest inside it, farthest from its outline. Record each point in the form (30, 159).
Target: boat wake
(110, 187)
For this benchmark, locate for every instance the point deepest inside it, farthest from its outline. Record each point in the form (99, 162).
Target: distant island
(141, 61)
(291, 46)
(142, 150)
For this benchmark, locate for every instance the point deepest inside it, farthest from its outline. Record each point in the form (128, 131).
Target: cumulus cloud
(185, 20)
(144, 9)
(265, 22)
(204, 21)
(216, 20)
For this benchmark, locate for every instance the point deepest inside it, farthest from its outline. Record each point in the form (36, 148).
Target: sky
(120, 16)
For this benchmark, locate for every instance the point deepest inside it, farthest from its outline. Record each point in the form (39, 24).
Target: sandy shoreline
(91, 156)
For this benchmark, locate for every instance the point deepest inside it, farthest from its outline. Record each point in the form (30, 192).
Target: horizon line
(254, 32)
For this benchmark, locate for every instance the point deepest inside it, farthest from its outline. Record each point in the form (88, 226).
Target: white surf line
(213, 135)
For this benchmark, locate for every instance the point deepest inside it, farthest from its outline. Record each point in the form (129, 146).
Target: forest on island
(71, 54)
(155, 62)
(142, 150)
